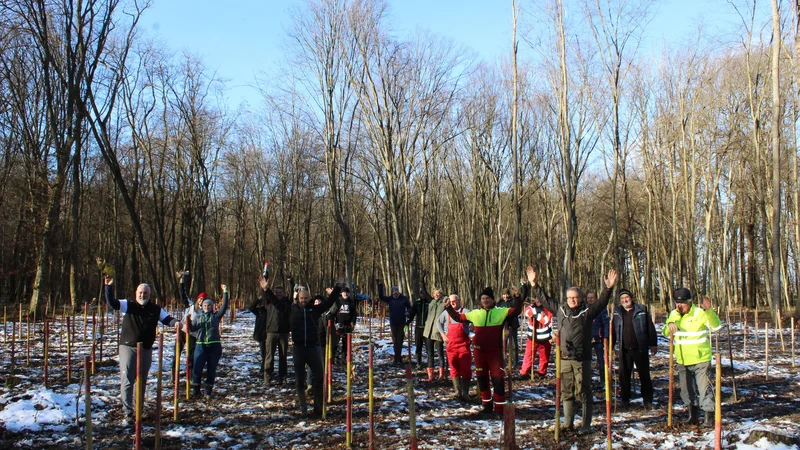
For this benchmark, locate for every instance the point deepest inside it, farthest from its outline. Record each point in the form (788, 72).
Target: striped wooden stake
(139, 395)
(28, 341)
(188, 355)
(176, 374)
(88, 402)
(780, 330)
(372, 398)
(671, 378)
(157, 443)
(412, 417)
(94, 340)
(85, 319)
(607, 369)
(46, 349)
(558, 388)
(718, 407)
(330, 361)
(793, 362)
(69, 351)
(766, 350)
(349, 418)
(744, 335)
(755, 321)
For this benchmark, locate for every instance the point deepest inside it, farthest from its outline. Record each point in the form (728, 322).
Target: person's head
(506, 294)
(574, 297)
(303, 297)
(487, 298)
(318, 300)
(201, 297)
(279, 292)
(437, 294)
(626, 299)
(455, 301)
(143, 294)
(345, 292)
(208, 305)
(537, 302)
(683, 300)
(395, 291)
(591, 297)
(515, 292)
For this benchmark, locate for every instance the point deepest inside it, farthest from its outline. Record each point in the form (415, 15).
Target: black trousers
(429, 346)
(627, 359)
(312, 357)
(398, 334)
(419, 344)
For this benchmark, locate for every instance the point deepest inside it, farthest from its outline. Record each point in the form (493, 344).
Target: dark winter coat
(643, 326)
(271, 315)
(601, 322)
(399, 308)
(574, 325)
(140, 321)
(305, 322)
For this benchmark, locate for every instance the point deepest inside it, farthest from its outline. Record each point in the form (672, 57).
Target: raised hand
(262, 282)
(611, 279)
(531, 275)
(224, 287)
(706, 302)
(328, 290)
(108, 280)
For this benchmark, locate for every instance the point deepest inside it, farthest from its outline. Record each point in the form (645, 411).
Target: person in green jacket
(690, 325)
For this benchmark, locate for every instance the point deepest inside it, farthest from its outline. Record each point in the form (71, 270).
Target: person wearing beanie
(187, 318)
(345, 314)
(488, 322)
(575, 318)
(634, 334)
(539, 320)
(205, 324)
(399, 312)
(690, 325)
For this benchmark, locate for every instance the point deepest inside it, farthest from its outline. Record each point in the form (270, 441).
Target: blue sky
(240, 38)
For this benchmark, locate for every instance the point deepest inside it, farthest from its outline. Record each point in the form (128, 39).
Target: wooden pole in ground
(671, 378)
(88, 402)
(329, 352)
(607, 369)
(85, 319)
(730, 356)
(766, 350)
(188, 356)
(139, 395)
(412, 419)
(46, 349)
(103, 313)
(372, 397)
(744, 335)
(28, 341)
(5, 322)
(718, 406)
(793, 362)
(176, 374)
(69, 351)
(349, 417)
(558, 388)
(780, 330)
(94, 339)
(755, 322)
(509, 412)
(326, 374)
(13, 351)
(157, 439)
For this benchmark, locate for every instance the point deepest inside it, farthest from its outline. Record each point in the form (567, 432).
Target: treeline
(400, 158)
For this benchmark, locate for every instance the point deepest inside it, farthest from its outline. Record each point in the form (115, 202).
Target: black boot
(693, 418)
(488, 408)
(209, 389)
(710, 420)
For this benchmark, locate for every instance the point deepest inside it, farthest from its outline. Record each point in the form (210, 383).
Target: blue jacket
(601, 320)
(399, 308)
(642, 326)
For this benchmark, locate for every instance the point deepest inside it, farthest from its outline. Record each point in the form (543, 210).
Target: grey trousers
(576, 380)
(696, 386)
(127, 373)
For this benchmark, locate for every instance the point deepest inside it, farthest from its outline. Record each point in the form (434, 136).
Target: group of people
(459, 337)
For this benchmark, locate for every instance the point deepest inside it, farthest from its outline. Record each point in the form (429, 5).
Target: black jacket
(304, 322)
(140, 321)
(272, 315)
(346, 311)
(574, 325)
(420, 310)
(642, 326)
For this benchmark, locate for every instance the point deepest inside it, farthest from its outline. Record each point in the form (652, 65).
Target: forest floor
(245, 413)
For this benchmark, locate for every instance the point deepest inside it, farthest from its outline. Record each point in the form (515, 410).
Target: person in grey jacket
(575, 335)
(433, 339)
(208, 350)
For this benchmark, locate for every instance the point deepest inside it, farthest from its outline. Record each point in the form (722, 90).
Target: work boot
(195, 390)
(465, 390)
(569, 414)
(710, 420)
(441, 374)
(457, 387)
(586, 425)
(209, 389)
(693, 418)
(488, 408)
(430, 375)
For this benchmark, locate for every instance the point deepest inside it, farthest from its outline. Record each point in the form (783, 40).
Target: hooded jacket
(574, 325)
(205, 325)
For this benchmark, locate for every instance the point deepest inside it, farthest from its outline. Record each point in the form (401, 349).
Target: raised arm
(602, 303)
(184, 290)
(110, 298)
(333, 296)
(225, 300)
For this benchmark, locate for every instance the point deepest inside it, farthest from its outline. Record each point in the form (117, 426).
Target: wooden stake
(718, 407)
(139, 395)
(85, 320)
(157, 443)
(793, 362)
(412, 418)
(176, 374)
(607, 369)
(69, 353)
(766, 350)
(780, 331)
(46, 349)
(349, 418)
(558, 388)
(329, 351)
(671, 378)
(755, 321)
(28, 341)
(744, 336)
(188, 355)
(94, 339)
(372, 397)
(88, 402)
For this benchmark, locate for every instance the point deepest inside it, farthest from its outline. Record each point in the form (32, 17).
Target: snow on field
(245, 413)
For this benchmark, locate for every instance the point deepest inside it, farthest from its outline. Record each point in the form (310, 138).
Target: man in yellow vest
(690, 324)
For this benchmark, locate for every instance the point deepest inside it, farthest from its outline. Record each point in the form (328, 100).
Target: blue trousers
(206, 353)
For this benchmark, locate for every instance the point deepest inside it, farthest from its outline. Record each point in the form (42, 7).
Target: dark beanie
(346, 289)
(625, 291)
(682, 295)
(488, 291)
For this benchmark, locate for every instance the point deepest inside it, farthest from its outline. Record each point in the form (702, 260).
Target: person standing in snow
(430, 333)
(635, 333)
(488, 322)
(539, 320)
(399, 311)
(345, 313)
(205, 325)
(690, 324)
(139, 324)
(272, 321)
(187, 317)
(575, 330)
(459, 354)
(510, 329)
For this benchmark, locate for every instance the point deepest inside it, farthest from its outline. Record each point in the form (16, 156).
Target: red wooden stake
(157, 443)
(46, 337)
(69, 352)
(349, 420)
(139, 395)
(88, 404)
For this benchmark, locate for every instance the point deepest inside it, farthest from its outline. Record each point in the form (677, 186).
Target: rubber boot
(441, 374)
(488, 408)
(586, 425)
(457, 387)
(465, 390)
(694, 416)
(710, 420)
(430, 375)
(569, 414)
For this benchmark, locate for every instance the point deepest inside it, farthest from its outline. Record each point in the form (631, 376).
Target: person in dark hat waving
(635, 333)
(488, 322)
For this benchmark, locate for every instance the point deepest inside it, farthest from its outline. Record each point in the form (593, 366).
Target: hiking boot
(488, 409)
(195, 391)
(693, 418)
(710, 421)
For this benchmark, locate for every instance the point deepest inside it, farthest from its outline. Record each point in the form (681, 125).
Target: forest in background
(379, 156)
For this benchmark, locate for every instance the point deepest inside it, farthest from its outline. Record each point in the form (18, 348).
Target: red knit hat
(202, 296)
